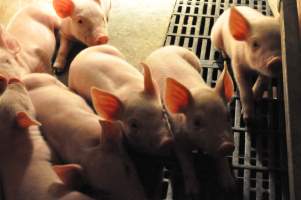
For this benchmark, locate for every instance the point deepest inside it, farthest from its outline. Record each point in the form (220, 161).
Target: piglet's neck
(66, 28)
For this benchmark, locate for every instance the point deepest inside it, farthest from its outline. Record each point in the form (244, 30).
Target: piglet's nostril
(166, 144)
(103, 39)
(3, 83)
(274, 65)
(2, 78)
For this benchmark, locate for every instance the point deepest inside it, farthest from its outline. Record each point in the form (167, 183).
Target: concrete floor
(136, 27)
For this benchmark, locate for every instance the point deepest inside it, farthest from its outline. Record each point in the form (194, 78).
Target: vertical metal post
(291, 56)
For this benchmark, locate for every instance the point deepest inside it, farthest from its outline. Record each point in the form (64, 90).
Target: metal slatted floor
(259, 160)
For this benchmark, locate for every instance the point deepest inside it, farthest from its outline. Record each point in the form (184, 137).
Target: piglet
(28, 43)
(82, 20)
(198, 113)
(78, 136)
(252, 41)
(26, 171)
(120, 92)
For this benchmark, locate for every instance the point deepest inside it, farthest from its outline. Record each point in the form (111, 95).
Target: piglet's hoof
(248, 117)
(251, 124)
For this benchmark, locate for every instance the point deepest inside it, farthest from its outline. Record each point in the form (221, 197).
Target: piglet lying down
(28, 43)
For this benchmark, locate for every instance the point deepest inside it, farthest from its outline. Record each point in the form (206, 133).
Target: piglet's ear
(3, 84)
(177, 97)
(97, 1)
(9, 42)
(224, 85)
(106, 105)
(150, 86)
(63, 8)
(111, 135)
(25, 121)
(239, 26)
(70, 174)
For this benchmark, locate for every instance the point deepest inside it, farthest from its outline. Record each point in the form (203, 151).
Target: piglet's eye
(80, 21)
(255, 44)
(134, 125)
(197, 123)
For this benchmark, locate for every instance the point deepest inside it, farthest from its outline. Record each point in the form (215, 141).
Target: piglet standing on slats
(78, 136)
(121, 93)
(252, 41)
(85, 21)
(26, 171)
(28, 43)
(199, 115)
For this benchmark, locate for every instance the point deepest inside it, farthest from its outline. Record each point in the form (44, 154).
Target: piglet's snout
(226, 148)
(274, 65)
(166, 144)
(3, 83)
(103, 39)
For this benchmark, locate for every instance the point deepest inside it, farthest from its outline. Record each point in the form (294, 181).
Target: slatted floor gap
(259, 161)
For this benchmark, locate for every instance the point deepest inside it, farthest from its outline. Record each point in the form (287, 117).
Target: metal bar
(292, 93)
(274, 7)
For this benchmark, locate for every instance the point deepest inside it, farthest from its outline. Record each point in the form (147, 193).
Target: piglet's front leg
(192, 187)
(246, 93)
(61, 58)
(259, 87)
